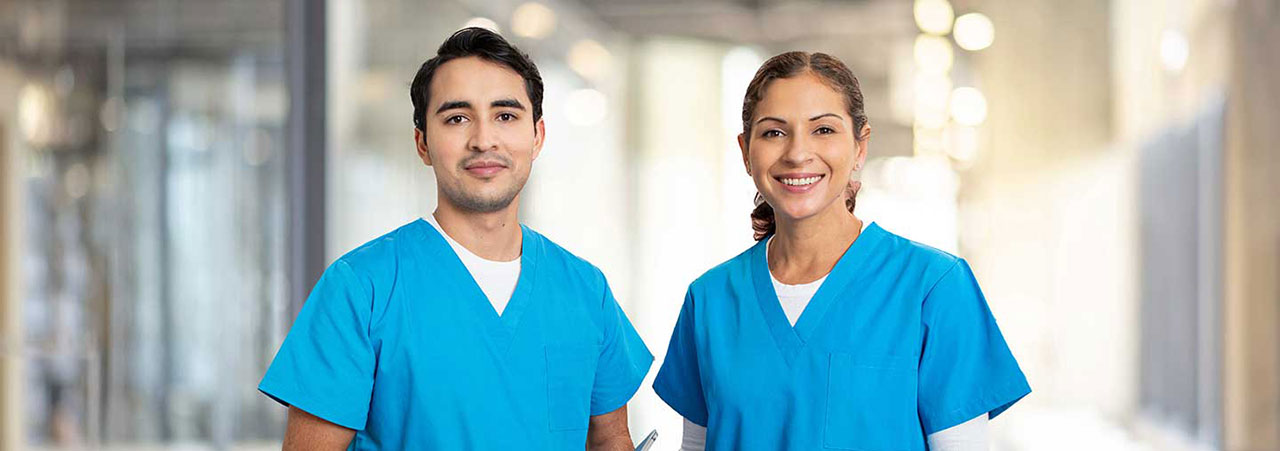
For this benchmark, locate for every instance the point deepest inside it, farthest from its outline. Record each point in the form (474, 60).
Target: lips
(799, 182)
(485, 168)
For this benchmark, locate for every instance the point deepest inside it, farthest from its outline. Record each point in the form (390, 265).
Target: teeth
(801, 181)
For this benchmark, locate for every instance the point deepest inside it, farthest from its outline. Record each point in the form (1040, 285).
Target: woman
(827, 334)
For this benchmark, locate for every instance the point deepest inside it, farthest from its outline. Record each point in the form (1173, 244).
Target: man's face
(480, 136)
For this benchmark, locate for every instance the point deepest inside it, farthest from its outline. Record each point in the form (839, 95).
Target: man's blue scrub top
(398, 342)
(897, 343)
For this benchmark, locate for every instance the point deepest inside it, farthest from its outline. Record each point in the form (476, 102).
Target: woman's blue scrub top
(896, 344)
(398, 342)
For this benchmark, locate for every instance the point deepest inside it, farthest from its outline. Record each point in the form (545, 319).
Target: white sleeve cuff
(695, 437)
(968, 436)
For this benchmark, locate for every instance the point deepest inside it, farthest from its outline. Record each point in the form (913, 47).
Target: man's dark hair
(479, 42)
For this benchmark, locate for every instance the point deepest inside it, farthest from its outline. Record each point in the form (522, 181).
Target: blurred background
(174, 175)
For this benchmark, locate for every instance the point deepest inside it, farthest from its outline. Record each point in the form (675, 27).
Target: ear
(539, 137)
(742, 144)
(860, 146)
(420, 141)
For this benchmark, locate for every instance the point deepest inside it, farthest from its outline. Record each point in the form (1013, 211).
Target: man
(463, 330)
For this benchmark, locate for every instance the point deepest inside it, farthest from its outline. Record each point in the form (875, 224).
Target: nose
(483, 137)
(798, 151)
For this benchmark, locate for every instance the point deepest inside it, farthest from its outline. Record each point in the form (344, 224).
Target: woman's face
(803, 149)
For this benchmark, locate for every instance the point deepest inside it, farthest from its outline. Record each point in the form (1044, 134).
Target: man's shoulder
(382, 253)
(567, 264)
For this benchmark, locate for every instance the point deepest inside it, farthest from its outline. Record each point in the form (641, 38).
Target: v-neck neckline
(500, 328)
(792, 339)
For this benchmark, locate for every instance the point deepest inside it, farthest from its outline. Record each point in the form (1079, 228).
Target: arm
(968, 436)
(608, 432)
(307, 432)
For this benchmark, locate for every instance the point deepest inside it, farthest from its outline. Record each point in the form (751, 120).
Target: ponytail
(762, 219)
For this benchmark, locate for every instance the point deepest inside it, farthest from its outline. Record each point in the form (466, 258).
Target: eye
(506, 117)
(771, 133)
(824, 130)
(455, 119)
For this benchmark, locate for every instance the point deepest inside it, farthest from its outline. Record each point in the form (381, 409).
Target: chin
(799, 212)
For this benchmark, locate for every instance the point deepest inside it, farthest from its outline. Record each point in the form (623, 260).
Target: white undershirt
(968, 436)
(794, 298)
(496, 279)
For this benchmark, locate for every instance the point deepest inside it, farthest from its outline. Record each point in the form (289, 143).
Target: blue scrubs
(896, 344)
(398, 342)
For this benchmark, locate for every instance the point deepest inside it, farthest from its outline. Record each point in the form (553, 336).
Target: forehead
(473, 79)
(802, 95)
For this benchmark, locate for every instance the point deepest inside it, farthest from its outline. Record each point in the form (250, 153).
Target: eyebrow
(462, 104)
(820, 116)
(507, 103)
(453, 105)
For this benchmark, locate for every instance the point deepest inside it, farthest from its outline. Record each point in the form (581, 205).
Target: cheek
(446, 154)
(759, 171)
(518, 139)
(761, 156)
(839, 157)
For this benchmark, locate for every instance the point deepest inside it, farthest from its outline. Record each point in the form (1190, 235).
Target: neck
(491, 236)
(804, 250)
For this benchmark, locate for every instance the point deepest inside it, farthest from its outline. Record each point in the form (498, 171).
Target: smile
(799, 181)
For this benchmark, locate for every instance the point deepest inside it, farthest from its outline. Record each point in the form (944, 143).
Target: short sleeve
(679, 381)
(624, 360)
(966, 368)
(325, 366)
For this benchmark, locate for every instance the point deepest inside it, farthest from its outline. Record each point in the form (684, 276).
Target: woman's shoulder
(729, 272)
(925, 258)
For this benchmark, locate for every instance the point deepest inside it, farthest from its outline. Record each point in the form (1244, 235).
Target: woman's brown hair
(832, 72)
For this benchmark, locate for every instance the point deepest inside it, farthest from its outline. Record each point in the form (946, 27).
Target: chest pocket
(871, 404)
(571, 373)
